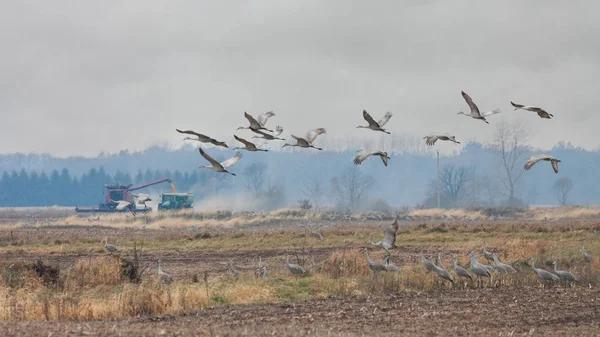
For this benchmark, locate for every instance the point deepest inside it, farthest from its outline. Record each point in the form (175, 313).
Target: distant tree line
(34, 189)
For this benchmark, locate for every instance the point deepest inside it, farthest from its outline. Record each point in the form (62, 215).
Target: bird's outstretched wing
(262, 119)
(430, 140)
(209, 158)
(518, 106)
(278, 130)
(384, 158)
(242, 140)
(385, 119)
(555, 165)
(472, 105)
(490, 113)
(313, 134)
(360, 157)
(534, 159)
(369, 119)
(238, 155)
(251, 119)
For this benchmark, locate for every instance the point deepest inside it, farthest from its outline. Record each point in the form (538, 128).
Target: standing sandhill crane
(478, 269)
(110, 248)
(544, 275)
(586, 257)
(248, 146)
(475, 113)
(443, 274)
(487, 255)
(122, 204)
(163, 276)
(254, 124)
(202, 138)
(564, 275)
(233, 271)
(362, 155)
(389, 237)
(294, 268)
(308, 140)
(373, 125)
(434, 137)
(268, 136)
(316, 234)
(376, 267)
(220, 167)
(389, 266)
(537, 157)
(427, 263)
(460, 271)
(503, 267)
(541, 112)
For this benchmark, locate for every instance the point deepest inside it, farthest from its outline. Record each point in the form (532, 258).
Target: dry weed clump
(348, 262)
(94, 271)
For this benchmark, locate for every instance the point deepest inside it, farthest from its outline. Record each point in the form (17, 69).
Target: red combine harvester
(120, 192)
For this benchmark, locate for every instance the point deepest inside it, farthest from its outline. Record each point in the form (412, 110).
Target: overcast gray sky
(80, 77)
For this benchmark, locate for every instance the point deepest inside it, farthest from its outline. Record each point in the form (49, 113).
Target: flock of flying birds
(258, 126)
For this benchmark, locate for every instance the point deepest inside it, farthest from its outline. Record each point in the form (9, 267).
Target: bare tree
(351, 186)
(453, 180)
(254, 178)
(313, 188)
(510, 142)
(562, 187)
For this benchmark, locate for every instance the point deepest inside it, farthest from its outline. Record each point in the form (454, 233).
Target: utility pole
(438, 178)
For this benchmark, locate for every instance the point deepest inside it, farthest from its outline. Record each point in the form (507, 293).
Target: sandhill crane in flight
(308, 140)
(373, 125)
(362, 155)
(141, 199)
(434, 137)
(389, 237)
(475, 113)
(248, 146)
(201, 138)
(166, 278)
(122, 204)
(264, 135)
(538, 157)
(586, 257)
(255, 124)
(220, 167)
(541, 112)
(544, 275)
(110, 248)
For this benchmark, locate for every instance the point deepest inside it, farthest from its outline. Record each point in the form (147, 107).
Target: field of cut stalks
(56, 268)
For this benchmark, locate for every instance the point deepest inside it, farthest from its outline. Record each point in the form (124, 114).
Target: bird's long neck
(484, 246)
(264, 274)
(160, 268)
(533, 263)
(287, 260)
(555, 268)
(454, 262)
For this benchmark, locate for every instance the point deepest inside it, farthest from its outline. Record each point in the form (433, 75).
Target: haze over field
(81, 78)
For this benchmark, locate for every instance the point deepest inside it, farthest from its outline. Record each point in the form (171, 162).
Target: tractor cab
(175, 201)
